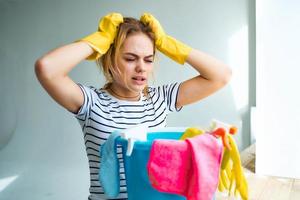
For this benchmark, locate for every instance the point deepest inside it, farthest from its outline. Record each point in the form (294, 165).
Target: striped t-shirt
(102, 113)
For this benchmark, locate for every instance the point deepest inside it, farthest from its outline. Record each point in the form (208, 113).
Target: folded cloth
(109, 167)
(189, 168)
(206, 161)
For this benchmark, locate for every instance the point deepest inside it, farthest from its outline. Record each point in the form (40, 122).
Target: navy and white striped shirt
(102, 113)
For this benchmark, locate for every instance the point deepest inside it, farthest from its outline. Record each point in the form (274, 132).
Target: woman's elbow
(224, 79)
(227, 76)
(41, 68)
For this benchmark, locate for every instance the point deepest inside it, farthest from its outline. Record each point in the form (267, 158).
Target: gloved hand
(168, 45)
(101, 40)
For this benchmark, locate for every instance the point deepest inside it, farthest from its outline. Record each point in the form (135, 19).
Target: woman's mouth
(139, 80)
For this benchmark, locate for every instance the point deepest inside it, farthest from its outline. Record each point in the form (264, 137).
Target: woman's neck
(121, 95)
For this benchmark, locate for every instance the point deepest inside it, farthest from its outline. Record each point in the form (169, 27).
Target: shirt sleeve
(170, 94)
(90, 97)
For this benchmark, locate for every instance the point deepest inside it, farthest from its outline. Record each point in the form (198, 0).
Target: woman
(125, 49)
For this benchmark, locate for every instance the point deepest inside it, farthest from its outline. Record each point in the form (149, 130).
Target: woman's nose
(141, 66)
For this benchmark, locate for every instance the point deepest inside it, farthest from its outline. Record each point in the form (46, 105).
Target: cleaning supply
(237, 176)
(109, 166)
(218, 124)
(137, 179)
(187, 167)
(136, 133)
(221, 132)
(232, 177)
(191, 132)
(168, 45)
(101, 40)
(208, 172)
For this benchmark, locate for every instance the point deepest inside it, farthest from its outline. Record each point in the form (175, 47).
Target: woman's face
(135, 62)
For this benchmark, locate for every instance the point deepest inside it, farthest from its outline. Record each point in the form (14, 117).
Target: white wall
(278, 96)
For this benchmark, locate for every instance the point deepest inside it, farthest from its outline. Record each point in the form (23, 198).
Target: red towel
(189, 168)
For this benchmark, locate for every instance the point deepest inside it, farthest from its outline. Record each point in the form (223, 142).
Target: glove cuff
(174, 49)
(100, 42)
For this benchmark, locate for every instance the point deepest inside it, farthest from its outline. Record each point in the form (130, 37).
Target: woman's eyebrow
(135, 55)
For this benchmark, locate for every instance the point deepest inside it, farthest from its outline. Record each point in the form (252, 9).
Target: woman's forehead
(138, 44)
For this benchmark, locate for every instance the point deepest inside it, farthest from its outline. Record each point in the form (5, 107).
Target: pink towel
(189, 168)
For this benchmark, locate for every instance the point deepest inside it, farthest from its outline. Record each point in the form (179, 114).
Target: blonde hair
(108, 62)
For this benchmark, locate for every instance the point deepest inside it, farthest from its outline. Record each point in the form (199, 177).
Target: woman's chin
(138, 88)
(138, 85)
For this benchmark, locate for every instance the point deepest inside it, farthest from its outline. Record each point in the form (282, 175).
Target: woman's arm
(52, 71)
(213, 75)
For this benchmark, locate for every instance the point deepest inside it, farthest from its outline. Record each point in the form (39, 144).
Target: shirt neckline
(121, 100)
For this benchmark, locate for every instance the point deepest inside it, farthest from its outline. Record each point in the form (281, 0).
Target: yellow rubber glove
(232, 177)
(191, 132)
(168, 45)
(101, 40)
(240, 179)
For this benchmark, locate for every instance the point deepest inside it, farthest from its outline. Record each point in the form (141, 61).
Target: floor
(265, 187)
(43, 182)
